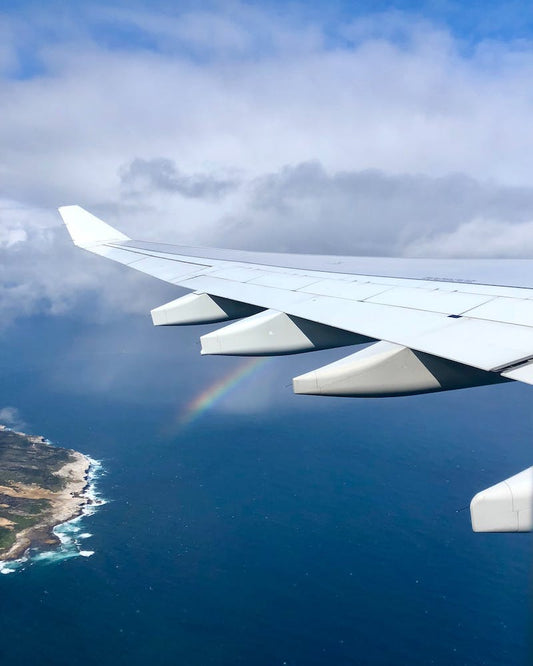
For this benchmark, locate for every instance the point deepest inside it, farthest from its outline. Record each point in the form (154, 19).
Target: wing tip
(86, 229)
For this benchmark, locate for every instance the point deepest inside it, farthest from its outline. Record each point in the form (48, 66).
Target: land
(41, 486)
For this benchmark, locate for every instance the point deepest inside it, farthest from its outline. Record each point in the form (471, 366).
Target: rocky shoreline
(62, 498)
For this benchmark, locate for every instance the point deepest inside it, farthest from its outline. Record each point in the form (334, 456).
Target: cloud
(479, 237)
(235, 126)
(305, 208)
(374, 103)
(161, 174)
(10, 416)
(41, 272)
(202, 32)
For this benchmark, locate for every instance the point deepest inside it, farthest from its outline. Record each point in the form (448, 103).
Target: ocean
(259, 527)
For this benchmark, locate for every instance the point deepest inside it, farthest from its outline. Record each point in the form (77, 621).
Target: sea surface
(264, 528)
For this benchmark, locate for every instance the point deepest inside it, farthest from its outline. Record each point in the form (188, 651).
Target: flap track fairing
(385, 369)
(200, 309)
(272, 333)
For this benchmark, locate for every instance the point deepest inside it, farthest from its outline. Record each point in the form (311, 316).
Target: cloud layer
(234, 126)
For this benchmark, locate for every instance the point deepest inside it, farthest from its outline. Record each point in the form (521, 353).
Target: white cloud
(305, 208)
(479, 238)
(42, 272)
(10, 416)
(241, 128)
(10, 236)
(370, 105)
(140, 177)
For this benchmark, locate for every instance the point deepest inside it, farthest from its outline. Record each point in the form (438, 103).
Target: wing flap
(435, 300)
(506, 310)
(524, 373)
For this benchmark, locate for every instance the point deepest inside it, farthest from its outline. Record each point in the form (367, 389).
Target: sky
(374, 128)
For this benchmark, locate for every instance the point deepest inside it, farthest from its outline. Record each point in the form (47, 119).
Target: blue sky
(110, 26)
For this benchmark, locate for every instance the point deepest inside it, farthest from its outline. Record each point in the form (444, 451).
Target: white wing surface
(436, 324)
(456, 310)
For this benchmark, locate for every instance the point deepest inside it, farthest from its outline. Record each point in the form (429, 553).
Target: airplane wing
(435, 325)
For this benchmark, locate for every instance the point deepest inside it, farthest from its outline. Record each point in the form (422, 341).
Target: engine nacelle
(505, 507)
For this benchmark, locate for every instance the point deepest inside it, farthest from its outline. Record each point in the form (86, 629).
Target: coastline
(65, 505)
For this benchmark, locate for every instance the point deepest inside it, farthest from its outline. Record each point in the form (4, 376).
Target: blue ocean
(246, 525)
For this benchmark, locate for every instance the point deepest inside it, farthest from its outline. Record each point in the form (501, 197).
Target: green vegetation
(21, 522)
(23, 512)
(7, 538)
(21, 505)
(24, 461)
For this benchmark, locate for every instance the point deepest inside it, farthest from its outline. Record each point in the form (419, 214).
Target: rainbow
(214, 393)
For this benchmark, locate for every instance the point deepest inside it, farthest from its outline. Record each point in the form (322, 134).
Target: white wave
(12, 566)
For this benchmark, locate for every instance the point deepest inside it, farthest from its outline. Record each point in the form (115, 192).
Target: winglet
(85, 229)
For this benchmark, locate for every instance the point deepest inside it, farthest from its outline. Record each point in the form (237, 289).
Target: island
(41, 486)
